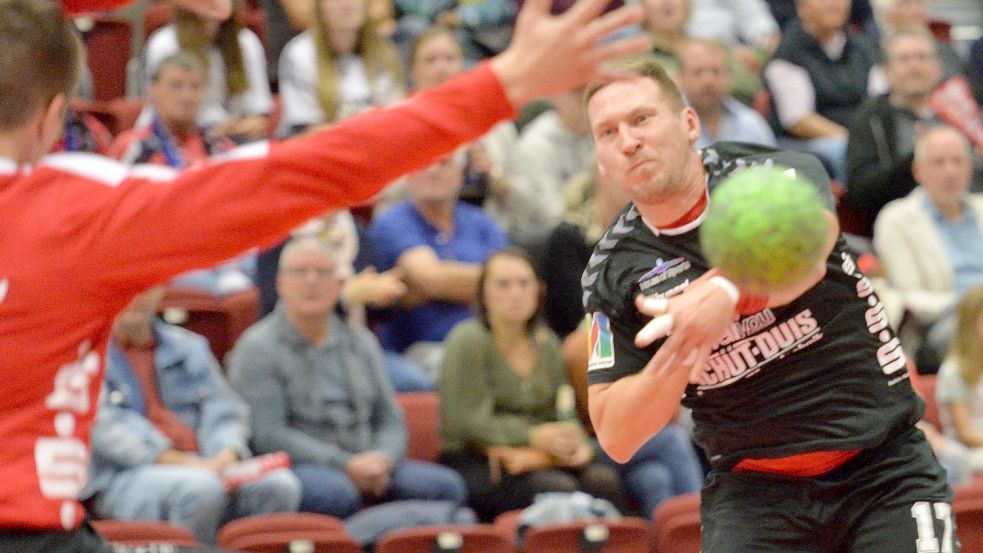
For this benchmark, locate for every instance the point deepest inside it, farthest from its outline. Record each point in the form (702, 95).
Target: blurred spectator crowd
(461, 281)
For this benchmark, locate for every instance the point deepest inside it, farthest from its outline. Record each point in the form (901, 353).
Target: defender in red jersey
(81, 234)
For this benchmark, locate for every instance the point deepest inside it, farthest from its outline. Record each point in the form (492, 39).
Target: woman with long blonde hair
(341, 65)
(237, 97)
(960, 388)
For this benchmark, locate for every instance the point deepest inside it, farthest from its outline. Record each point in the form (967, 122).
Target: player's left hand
(694, 321)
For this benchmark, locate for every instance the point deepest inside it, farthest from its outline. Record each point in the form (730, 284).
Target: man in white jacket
(931, 241)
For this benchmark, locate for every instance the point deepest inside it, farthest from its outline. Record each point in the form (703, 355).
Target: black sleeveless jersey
(825, 372)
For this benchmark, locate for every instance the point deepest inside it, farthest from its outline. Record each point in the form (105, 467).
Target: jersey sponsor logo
(62, 461)
(674, 291)
(601, 343)
(754, 342)
(663, 271)
(890, 356)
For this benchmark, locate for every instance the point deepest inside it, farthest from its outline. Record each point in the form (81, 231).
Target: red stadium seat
(107, 46)
(628, 535)
(274, 532)
(676, 524)
(969, 522)
(221, 319)
(422, 410)
(321, 541)
(507, 523)
(942, 30)
(424, 539)
(135, 533)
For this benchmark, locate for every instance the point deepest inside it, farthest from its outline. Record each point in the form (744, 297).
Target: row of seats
(675, 528)
(275, 533)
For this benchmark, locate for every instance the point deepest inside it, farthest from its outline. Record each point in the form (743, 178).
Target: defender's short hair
(41, 58)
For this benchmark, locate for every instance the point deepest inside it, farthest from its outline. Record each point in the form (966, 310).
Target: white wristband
(727, 286)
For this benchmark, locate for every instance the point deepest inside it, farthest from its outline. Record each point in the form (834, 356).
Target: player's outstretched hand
(549, 54)
(694, 321)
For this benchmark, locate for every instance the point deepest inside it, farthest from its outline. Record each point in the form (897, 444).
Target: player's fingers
(535, 7)
(610, 22)
(651, 306)
(583, 11)
(656, 328)
(699, 365)
(663, 358)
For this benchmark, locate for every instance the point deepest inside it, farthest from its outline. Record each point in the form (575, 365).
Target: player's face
(436, 60)
(704, 77)
(343, 14)
(943, 169)
(511, 290)
(912, 67)
(177, 95)
(439, 183)
(643, 143)
(308, 283)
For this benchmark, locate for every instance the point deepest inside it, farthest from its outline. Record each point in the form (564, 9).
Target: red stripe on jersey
(803, 465)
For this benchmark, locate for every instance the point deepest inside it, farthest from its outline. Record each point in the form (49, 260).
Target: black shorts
(82, 540)
(889, 499)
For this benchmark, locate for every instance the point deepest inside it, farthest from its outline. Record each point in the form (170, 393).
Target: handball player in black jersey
(800, 398)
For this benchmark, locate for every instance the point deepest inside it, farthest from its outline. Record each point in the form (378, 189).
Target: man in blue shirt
(439, 244)
(704, 77)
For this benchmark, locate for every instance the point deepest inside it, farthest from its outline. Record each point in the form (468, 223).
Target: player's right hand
(694, 321)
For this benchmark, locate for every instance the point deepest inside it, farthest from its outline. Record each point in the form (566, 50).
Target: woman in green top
(508, 421)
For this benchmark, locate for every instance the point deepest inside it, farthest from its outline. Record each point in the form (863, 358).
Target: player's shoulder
(723, 155)
(93, 168)
(620, 251)
(722, 159)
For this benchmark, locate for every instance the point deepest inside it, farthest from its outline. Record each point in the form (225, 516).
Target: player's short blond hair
(643, 66)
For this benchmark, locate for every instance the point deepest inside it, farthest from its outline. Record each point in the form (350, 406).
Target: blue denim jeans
(194, 497)
(665, 466)
(329, 491)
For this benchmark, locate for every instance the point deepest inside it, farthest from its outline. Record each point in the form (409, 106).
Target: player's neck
(684, 206)
(16, 146)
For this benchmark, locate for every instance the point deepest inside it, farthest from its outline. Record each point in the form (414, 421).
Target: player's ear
(692, 121)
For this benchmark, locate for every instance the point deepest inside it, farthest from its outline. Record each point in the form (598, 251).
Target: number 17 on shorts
(925, 515)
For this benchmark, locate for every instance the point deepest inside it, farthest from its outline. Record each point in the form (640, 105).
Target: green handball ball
(765, 229)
